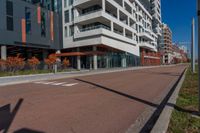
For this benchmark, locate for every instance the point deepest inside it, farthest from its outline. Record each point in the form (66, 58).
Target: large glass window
(9, 8)
(72, 15)
(65, 3)
(10, 23)
(9, 15)
(67, 16)
(43, 25)
(28, 20)
(71, 2)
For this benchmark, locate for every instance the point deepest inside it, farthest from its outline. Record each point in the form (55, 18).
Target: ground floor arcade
(100, 56)
(90, 57)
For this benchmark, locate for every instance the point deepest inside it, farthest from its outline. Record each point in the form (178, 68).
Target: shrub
(51, 60)
(15, 63)
(33, 63)
(65, 63)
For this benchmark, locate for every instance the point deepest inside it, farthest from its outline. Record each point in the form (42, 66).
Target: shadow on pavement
(148, 126)
(25, 130)
(154, 117)
(195, 113)
(7, 117)
(120, 93)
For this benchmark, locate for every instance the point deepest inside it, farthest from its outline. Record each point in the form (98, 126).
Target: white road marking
(68, 85)
(47, 83)
(59, 83)
(40, 82)
(55, 83)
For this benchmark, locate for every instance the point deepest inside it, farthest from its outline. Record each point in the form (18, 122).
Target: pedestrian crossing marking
(47, 83)
(54, 83)
(59, 83)
(68, 85)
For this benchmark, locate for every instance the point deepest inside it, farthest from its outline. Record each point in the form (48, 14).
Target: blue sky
(178, 15)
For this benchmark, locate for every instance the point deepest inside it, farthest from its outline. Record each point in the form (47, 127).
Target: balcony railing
(92, 11)
(95, 27)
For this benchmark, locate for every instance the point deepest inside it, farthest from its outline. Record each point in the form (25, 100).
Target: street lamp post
(198, 4)
(193, 46)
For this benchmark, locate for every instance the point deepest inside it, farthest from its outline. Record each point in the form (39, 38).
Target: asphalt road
(102, 103)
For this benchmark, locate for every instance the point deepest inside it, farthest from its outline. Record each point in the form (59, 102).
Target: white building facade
(109, 33)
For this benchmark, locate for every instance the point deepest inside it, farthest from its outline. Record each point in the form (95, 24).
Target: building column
(107, 62)
(118, 14)
(142, 57)
(123, 5)
(3, 52)
(76, 29)
(112, 26)
(76, 13)
(124, 32)
(44, 56)
(95, 58)
(91, 62)
(128, 21)
(103, 5)
(123, 61)
(78, 60)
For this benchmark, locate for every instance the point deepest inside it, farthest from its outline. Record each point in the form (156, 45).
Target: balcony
(95, 14)
(147, 45)
(146, 35)
(95, 27)
(80, 2)
(139, 13)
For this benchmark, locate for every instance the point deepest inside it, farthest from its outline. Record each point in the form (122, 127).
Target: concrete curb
(162, 123)
(12, 80)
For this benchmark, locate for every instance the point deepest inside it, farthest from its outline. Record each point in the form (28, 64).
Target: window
(67, 16)
(66, 34)
(9, 8)
(28, 20)
(72, 15)
(9, 15)
(65, 3)
(71, 30)
(71, 2)
(43, 25)
(10, 23)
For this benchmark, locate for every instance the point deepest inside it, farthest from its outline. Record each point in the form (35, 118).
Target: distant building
(165, 45)
(179, 54)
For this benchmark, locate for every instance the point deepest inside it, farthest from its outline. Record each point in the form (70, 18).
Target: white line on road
(47, 83)
(59, 83)
(68, 85)
(40, 82)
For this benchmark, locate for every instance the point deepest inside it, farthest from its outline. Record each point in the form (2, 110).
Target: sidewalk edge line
(162, 123)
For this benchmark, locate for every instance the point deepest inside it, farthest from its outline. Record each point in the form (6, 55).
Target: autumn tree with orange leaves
(65, 63)
(15, 63)
(33, 63)
(51, 60)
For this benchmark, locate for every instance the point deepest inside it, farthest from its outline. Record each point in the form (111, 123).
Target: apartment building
(114, 33)
(91, 33)
(166, 45)
(179, 54)
(154, 8)
(28, 28)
